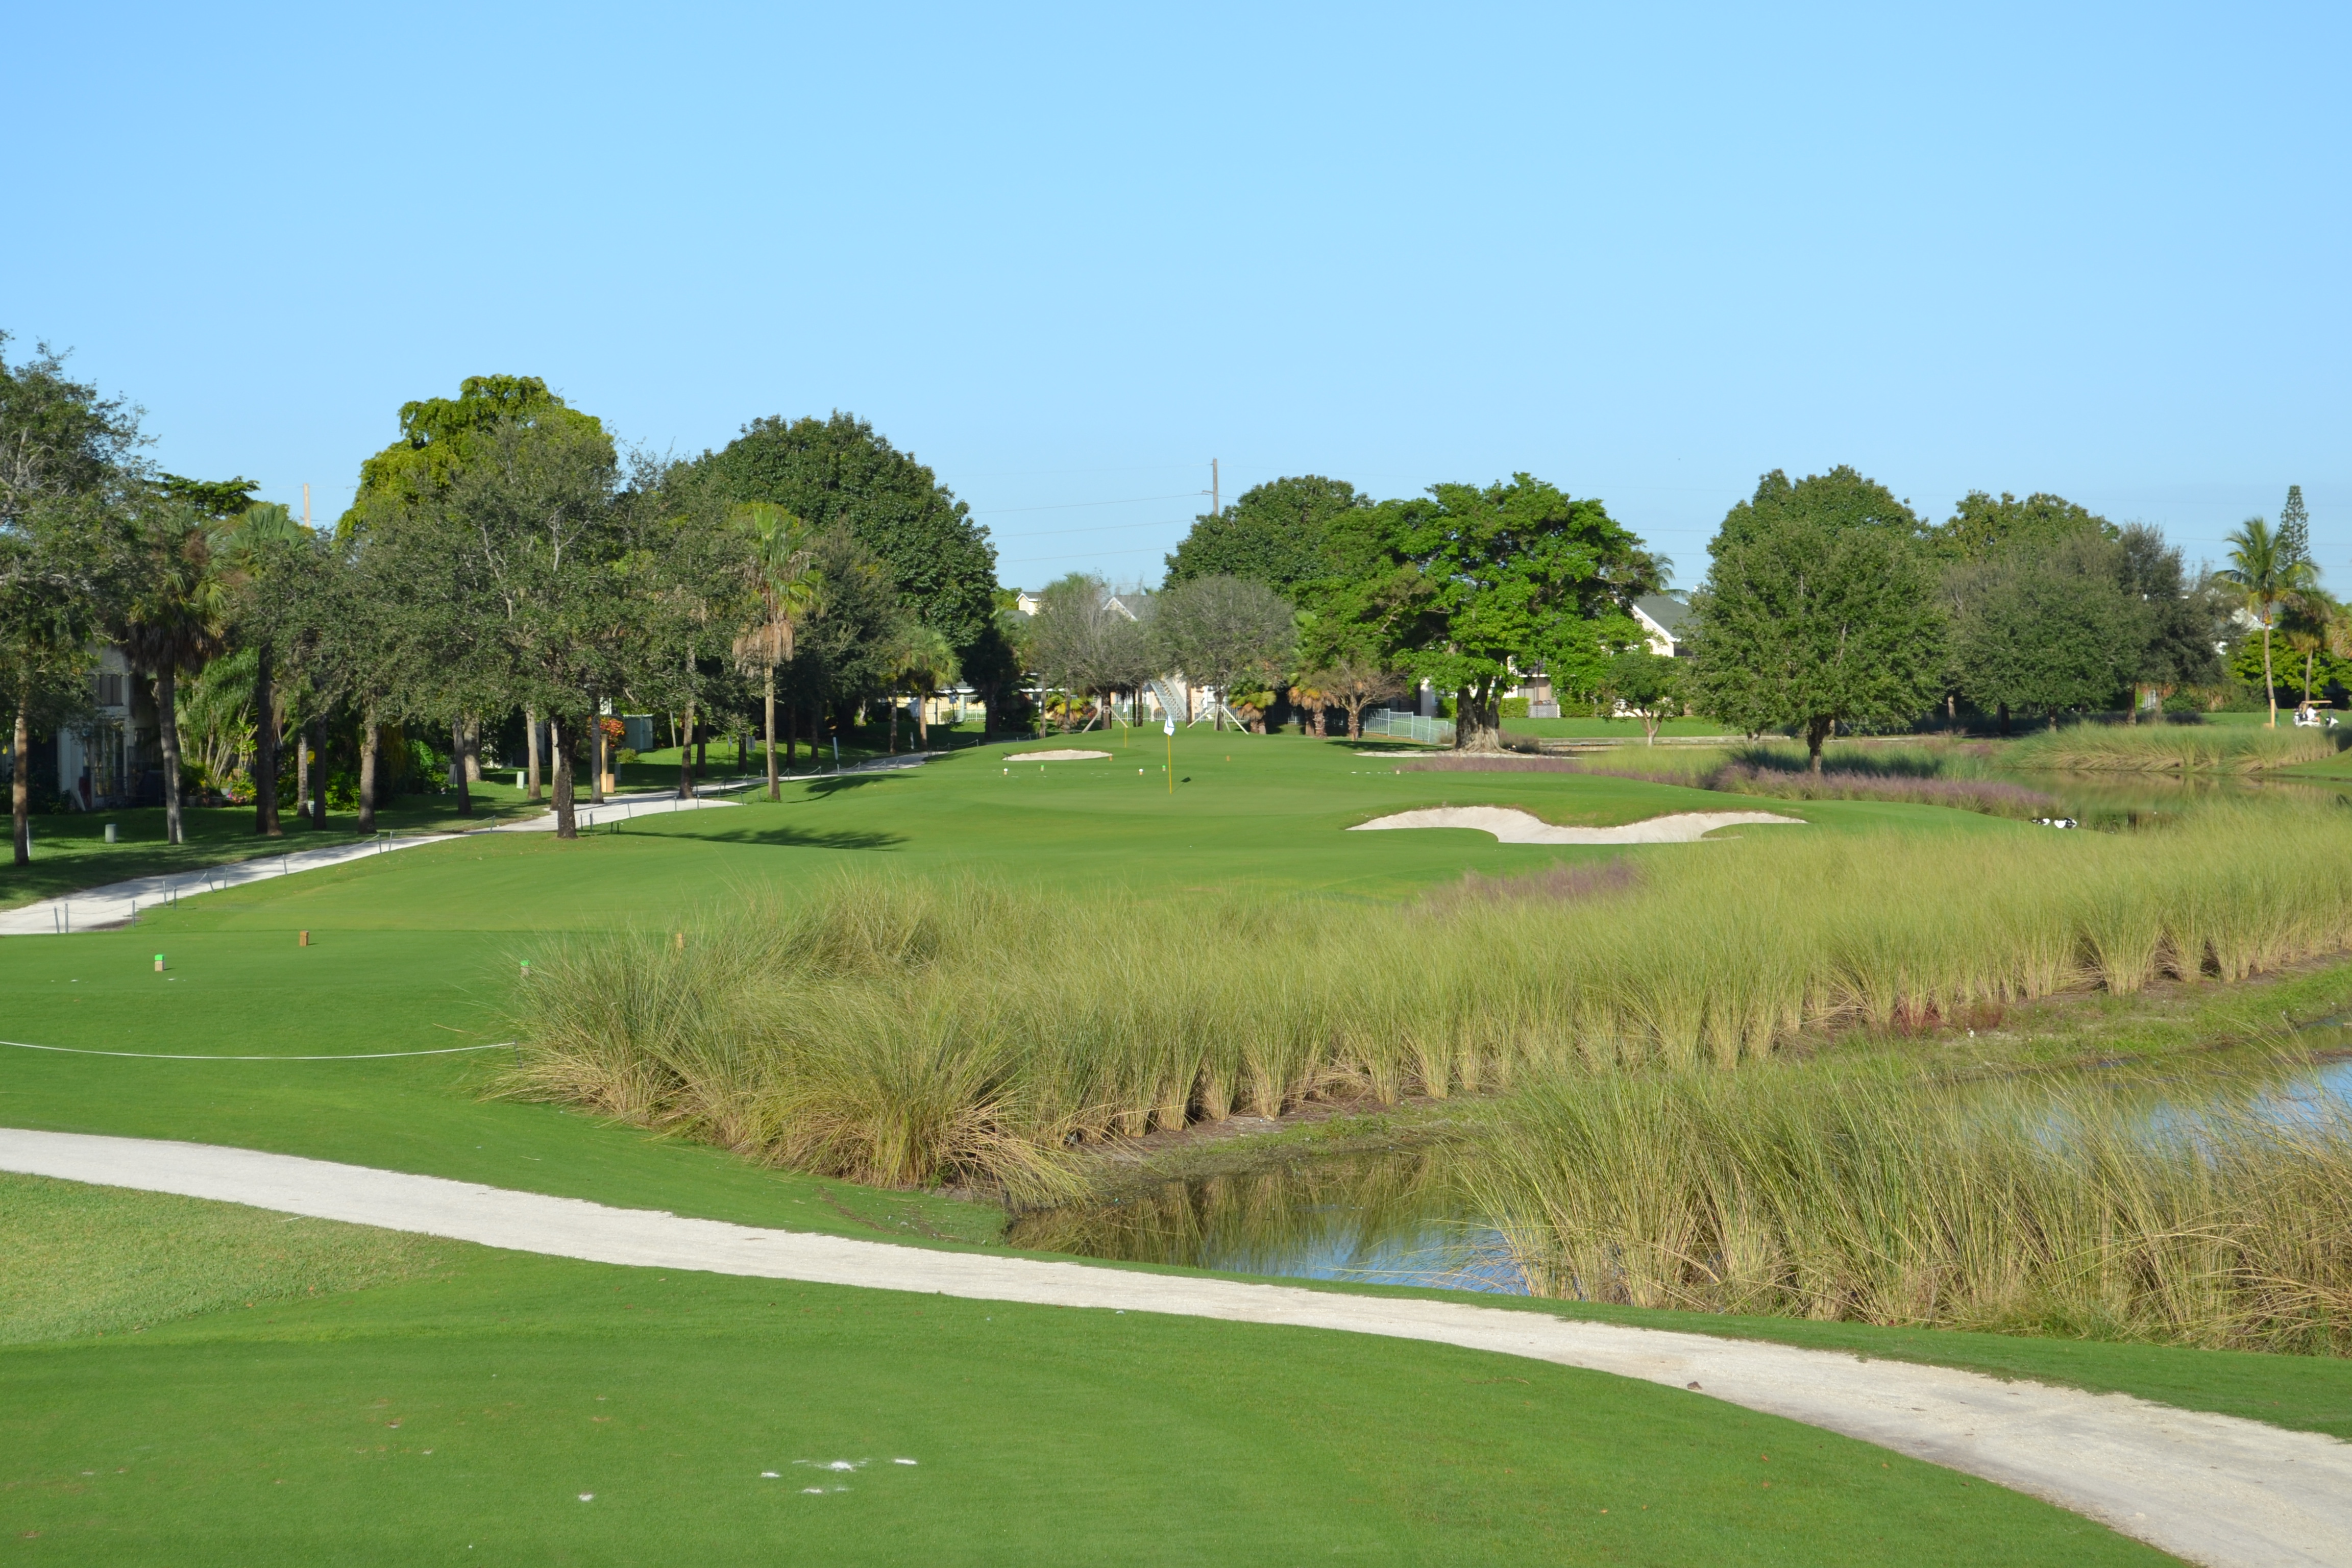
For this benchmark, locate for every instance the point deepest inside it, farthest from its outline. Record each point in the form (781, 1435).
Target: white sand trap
(1058, 756)
(2216, 1489)
(1512, 825)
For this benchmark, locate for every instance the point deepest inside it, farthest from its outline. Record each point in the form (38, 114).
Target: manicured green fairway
(1076, 1435)
(462, 1416)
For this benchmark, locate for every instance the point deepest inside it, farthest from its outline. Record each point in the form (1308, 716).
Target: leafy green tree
(67, 464)
(1089, 642)
(1650, 684)
(507, 567)
(837, 473)
(1273, 535)
(1354, 684)
(51, 586)
(1982, 529)
(2272, 570)
(171, 619)
(260, 552)
(1820, 609)
(1470, 588)
(2049, 628)
(438, 436)
(2179, 624)
(1223, 631)
(58, 438)
(992, 667)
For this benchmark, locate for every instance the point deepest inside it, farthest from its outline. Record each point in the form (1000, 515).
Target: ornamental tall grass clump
(2015, 1207)
(904, 1032)
(2170, 748)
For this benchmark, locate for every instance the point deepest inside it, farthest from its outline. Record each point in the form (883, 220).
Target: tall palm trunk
(167, 725)
(773, 793)
(566, 825)
(370, 736)
(20, 786)
(264, 745)
(458, 766)
(893, 749)
(319, 774)
(301, 775)
(922, 724)
(596, 752)
(686, 756)
(2270, 687)
(530, 732)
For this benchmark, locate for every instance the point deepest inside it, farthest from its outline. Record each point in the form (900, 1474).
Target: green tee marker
(158, 963)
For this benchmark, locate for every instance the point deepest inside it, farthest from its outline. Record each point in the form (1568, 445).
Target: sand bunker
(1056, 756)
(1512, 825)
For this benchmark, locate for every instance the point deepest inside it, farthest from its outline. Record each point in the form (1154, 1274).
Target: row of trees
(503, 555)
(1828, 602)
(1307, 588)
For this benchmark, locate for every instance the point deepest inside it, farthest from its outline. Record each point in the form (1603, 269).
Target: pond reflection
(1399, 1216)
(1386, 1218)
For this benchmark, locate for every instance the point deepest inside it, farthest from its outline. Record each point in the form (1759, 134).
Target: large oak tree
(1819, 609)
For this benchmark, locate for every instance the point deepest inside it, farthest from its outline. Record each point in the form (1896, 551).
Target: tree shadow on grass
(819, 788)
(807, 838)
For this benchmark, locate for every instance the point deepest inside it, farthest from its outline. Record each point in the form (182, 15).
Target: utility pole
(1214, 509)
(306, 506)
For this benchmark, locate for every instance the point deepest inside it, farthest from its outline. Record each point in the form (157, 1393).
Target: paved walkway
(117, 903)
(2212, 1489)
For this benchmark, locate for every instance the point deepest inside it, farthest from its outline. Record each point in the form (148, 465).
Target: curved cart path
(2212, 1489)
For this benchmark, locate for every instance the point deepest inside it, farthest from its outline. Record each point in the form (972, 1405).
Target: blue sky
(1070, 255)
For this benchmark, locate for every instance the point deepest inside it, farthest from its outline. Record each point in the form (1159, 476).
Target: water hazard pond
(1400, 1216)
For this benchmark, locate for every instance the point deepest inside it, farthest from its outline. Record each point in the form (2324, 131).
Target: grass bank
(2072, 1210)
(899, 1033)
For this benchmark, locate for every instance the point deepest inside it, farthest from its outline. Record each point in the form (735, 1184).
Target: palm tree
(923, 662)
(2273, 571)
(791, 591)
(172, 621)
(2312, 625)
(254, 544)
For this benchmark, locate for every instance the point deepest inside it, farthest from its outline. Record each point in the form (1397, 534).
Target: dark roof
(1668, 612)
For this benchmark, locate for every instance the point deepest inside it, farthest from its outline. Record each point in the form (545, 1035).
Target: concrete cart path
(2212, 1489)
(115, 903)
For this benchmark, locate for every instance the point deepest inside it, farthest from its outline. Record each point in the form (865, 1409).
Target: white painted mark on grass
(587, 1497)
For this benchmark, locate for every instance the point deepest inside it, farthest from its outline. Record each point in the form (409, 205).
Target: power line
(1073, 506)
(1108, 528)
(1085, 556)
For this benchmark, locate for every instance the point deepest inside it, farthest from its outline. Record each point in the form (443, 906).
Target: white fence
(1397, 726)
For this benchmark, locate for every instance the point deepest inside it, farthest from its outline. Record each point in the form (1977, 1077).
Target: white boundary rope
(350, 1057)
